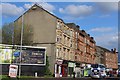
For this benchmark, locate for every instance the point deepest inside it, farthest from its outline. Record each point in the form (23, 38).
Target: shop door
(64, 71)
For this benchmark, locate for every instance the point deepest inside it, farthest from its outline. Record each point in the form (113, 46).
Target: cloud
(107, 7)
(105, 36)
(101, 29)
(104, 16)
(27, 6)
(77, 10)
(33, 0)
(45, 5)
(11, 9)
(107, 40)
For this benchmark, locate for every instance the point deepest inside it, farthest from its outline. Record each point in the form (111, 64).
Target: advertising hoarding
(30, 55)
(6, 54)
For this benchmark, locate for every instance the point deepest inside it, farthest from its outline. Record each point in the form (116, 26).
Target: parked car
(109, 72)
(98, 71)
(118, 73)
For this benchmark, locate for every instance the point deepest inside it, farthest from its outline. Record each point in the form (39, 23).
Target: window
(76, 57)
(76, 45)
(68, 41)
(71, 45)
(58, 39)
(71, 33)
(57, 52)
(85, 49)
(64, 39)
(58, 25)
(90, 48)
(88, 41)
(68, 31)
(64, 49)
(68, 50)
(76, 34)
(85, 40)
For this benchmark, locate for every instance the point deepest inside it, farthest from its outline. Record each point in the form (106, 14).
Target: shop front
(58, 68)
(71, 68)
(82, 69)
(85, 70)
(78, 70)
(61, 68)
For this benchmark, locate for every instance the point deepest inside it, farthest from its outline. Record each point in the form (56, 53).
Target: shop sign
(88, 66)
(59, 61)
(83, 65)
(70, 64)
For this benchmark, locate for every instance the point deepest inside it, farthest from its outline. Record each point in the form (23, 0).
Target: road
(112, 78)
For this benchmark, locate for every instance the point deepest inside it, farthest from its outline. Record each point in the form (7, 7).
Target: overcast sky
(99, 19)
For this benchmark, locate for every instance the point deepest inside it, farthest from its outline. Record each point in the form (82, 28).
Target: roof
(42, 9)
(73, 26)
(106, 50)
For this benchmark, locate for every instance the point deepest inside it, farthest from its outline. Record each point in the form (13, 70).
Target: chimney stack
(111, 50)
(114, 50)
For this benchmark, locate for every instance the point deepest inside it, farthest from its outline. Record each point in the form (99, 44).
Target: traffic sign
(16, 54)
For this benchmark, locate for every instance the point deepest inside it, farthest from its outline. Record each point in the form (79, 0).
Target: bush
(47, 70)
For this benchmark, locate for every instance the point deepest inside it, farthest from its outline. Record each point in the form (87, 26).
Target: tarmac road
(112, 78)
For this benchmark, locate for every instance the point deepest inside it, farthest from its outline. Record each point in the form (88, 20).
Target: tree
(27, 35)
(11, 34)
(7, 33)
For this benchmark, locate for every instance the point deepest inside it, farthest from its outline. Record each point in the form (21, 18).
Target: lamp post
(12, 42)
(21, 45)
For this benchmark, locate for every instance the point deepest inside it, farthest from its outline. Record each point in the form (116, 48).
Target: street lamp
(21, 45)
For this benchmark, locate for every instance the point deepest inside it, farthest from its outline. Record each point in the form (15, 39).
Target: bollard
(60, 74)
(35, 74)
(73, 74)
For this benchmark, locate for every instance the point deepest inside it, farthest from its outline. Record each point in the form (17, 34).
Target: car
(118, 73)
(109, 72)
(98, 71)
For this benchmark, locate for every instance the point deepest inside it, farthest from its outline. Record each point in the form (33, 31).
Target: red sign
(13, 70)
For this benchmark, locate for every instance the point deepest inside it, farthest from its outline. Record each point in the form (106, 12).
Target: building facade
(67, 46)
(99, 55)
(111, 59)
(107, 57)
(118, 65)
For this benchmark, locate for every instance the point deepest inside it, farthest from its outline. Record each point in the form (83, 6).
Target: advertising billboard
(30, 55)
(6, 54)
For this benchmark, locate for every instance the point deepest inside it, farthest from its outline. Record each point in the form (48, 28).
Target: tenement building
(67, 46)
(107, 57)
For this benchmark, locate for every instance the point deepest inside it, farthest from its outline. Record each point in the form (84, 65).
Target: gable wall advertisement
(29, 55)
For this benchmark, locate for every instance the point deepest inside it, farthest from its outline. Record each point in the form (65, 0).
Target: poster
(6, 54)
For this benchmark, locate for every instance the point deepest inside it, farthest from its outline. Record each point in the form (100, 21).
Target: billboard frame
(16, 46)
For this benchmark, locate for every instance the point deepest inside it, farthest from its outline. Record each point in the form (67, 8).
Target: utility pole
(21, 45)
